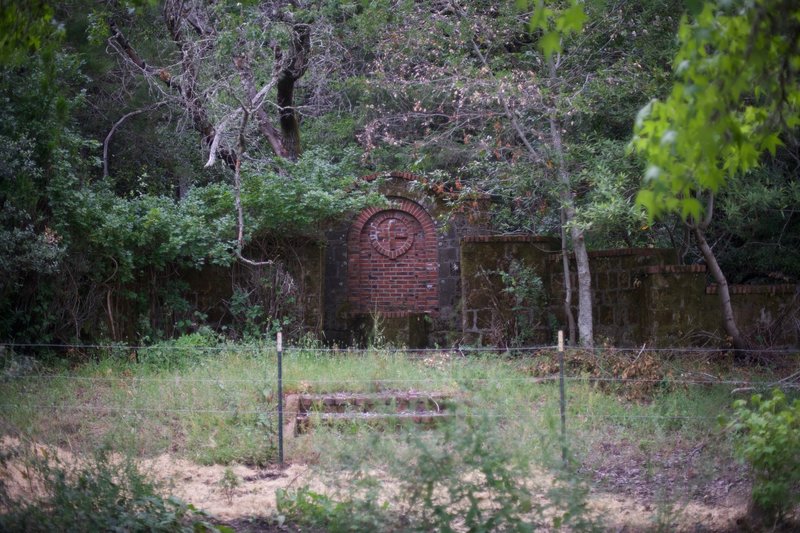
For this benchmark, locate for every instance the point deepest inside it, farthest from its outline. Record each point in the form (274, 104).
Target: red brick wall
(392, 261)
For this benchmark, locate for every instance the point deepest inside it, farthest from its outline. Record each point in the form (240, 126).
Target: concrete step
(386, 407)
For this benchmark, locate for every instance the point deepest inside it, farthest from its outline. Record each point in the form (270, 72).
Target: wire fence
(261, 393)
(390, 350)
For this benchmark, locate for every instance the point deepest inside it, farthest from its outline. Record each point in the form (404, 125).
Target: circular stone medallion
(390, 235)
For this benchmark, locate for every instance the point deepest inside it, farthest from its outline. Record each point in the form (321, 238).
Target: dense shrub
(767, 437)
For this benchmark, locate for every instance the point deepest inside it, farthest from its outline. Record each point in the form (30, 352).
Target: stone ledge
(507, 238)
(619, 252)
(433, 312)
(755, 289)
(674, 269)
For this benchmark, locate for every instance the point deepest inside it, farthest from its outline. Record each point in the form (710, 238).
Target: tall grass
(216, 403)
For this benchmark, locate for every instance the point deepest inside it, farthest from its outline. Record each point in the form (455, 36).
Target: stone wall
(683, 309)
(616, 288)
(639, 295)
(488, 314)
(210, 288)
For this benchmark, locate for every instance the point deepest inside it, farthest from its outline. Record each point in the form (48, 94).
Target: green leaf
(646, 198)
(539, 18)
(572, 19)
(694, 7)
(771, 142)
(691, 208)
(550, 44)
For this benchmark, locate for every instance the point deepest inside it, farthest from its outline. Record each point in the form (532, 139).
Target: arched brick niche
(392, 261)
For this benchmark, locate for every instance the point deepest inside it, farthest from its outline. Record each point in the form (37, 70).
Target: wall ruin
(639, 296)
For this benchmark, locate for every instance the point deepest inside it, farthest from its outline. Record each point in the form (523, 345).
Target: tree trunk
(567, 280)
(566, 199)
(585, 319)
(297, 65)
(585, 323)
(728, 319)
(192, 28)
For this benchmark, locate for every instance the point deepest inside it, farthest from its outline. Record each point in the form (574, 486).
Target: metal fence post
(280, 397)
(563, 399)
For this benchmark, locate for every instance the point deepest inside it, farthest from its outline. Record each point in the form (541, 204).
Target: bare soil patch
(630, 494)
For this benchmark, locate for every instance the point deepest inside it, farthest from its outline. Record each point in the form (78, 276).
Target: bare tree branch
(265, 126)
(116, 125)
(218, 131)
(185, 88)
(237, 190)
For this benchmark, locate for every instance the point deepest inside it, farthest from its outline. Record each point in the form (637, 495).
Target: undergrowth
(459, 477)
(95, 494)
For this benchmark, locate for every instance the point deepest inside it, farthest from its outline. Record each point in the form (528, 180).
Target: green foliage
(554, 22)
(42, 154)
(58, 224)
(526, 290)
(464, 475)
(607, 212)
(128, 235)
(516, 296)
(767, 435)
(228, 483)
(304, 195)
(100, 495)
(735, 95)
(759, 234)
(22, 249)
(315, 510)
(180, 353)
(24, 27)
(626, 47)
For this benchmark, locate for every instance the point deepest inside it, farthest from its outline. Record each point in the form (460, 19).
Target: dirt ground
(634, 507)
(628, 498)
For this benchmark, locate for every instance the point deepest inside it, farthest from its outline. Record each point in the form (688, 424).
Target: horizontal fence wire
(132, 379)
(113, 409)
(467, 413)
(392, 350)
(271, 347)
(444, 378)
(173, 391)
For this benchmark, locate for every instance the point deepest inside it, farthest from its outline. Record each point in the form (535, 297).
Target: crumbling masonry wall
(639, 296)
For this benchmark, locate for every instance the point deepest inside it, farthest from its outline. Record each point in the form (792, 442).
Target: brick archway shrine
(392, 261)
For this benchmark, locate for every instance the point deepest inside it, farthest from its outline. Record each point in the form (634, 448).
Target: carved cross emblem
(390, 235)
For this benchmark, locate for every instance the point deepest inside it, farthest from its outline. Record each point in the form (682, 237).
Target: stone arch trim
(395, 274)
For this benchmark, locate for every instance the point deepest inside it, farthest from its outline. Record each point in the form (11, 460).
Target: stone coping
(397, 314)
(674, 269)
(619, 252)
(785, 288)
(508, 238)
